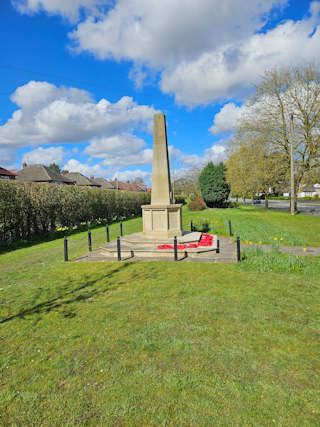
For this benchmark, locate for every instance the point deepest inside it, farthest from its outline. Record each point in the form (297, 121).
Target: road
(312, 208)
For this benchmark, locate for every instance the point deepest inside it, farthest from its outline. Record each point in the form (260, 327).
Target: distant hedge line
(28, 209)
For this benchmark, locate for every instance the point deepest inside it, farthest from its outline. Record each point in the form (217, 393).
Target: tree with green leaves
(213, 185)
(55, 167)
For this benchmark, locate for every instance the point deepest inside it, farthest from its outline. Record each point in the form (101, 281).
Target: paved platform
(225, 254)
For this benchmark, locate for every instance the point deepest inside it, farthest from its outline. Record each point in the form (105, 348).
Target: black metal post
(230, 229)
(175, 248)
(108, 234)
(218, 246)
(66, 249)
(119, 248)
(89, 241)
(121, 231)
(191, 225)
(238, 249)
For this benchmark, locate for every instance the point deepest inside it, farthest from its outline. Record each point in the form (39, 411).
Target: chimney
(24, 165)
(64, 172)
(91, 178)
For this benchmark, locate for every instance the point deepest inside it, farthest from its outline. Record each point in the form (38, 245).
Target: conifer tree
(213, 185)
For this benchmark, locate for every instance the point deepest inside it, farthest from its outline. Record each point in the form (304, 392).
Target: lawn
(157, 343)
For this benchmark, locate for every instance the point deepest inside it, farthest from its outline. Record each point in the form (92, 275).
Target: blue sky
(80, 80)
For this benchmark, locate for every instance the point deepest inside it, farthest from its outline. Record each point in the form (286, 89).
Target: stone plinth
(162, 221)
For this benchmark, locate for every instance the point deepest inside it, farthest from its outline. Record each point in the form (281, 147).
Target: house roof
(80, 179)
(6, 172)
(105, 184)
(41, 173)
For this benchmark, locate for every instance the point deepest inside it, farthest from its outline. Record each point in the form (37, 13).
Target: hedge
(28, 209)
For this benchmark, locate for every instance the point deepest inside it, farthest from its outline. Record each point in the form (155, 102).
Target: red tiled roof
(6, 172)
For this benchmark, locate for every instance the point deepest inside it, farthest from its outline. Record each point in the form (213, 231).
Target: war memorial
(162, 219)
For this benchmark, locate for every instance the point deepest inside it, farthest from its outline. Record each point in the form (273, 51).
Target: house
(129, 186)
(42, 174)
(308, 190)
(104, 184)
(79, 179)
(5, 174)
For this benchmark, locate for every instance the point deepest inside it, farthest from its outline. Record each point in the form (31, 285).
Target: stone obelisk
(162, 219)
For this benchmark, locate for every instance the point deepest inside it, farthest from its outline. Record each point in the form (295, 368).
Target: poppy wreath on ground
(205, 240)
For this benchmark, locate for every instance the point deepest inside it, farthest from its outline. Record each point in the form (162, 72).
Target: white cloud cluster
(97, 170)
(226, 120)
(44, 156)
(121, 150)
(204, 49)
(128, 175)
(50, 114)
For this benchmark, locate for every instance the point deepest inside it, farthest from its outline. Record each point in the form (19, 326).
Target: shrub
(28, 209)
(213, 185)
(179, 198)
(197, 204)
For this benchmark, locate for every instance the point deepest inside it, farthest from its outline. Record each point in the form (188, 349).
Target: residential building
(79, 179)
(42, 174)
(5, 174)
(104, 184)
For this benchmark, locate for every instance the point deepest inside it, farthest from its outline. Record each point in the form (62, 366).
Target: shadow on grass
(54, 303)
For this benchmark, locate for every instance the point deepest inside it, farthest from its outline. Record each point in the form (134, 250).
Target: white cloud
(204, 50)
(120, 150)
(97, 170)
(125, 176)
(67, 8)
(44, 156)
(231, 68)
(165, 32)
(226, 120)
(50, 114)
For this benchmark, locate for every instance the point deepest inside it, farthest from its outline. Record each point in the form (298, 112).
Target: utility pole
(292, 192)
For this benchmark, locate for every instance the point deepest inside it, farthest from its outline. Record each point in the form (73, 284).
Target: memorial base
(161, 222)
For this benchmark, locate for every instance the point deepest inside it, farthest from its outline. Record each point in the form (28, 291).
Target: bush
(213, 185)
(28, 209)
(180, 199)
(197, 204)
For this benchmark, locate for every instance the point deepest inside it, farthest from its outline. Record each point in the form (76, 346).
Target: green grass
(157, 343)
(258, 224)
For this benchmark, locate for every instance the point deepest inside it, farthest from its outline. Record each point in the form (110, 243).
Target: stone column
(161, 185)
(162, 219)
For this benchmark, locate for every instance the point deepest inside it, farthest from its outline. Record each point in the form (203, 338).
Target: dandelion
(246, 242)
(275, 238)
(250, 243)
(260, 243)
(304, 249)
(281, 238)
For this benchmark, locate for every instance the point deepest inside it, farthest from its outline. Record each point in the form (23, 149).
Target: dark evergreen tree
(213, 185)
(55, 167)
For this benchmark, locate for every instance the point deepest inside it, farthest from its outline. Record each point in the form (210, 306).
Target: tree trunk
(252, 200)
(266, 202)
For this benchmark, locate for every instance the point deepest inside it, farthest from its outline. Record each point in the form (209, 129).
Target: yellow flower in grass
(281, 238)
(250, 243)
(304, 249)
(275, 238)
(246, 242)
(260, 243)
